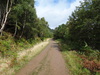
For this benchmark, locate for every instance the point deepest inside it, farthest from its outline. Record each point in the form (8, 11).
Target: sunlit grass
(8, 66)
(74, 63)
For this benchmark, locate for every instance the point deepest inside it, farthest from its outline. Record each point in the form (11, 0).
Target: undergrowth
(9, 45)
(81, 62)
(74, 63)
(14, 50)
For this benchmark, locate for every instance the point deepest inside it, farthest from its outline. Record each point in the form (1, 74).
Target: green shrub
(10, 45)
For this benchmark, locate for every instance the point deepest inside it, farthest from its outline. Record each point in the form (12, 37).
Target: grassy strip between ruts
(13, 65)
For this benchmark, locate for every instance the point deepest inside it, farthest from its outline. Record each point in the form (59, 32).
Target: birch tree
(5, 15)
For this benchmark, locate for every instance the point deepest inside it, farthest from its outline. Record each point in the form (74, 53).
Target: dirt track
(48, 62)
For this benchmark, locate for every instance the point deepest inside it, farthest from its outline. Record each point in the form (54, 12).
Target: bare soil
(48, 62)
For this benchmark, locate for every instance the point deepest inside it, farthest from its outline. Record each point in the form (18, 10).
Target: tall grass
(74, 63)
(14, 50)
(79, 61)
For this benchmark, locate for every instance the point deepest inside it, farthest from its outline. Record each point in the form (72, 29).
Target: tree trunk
(15, 29)
(23, 29)
(8, 9)
(23, 26)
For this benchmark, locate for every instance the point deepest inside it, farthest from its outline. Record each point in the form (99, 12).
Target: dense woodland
(19, 18)
(20, 28)
(18, 22)
(83, 27)
(80, 39)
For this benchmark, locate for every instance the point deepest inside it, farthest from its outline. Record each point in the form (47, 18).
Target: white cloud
(55, 13)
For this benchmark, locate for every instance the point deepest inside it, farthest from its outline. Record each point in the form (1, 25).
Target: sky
(55, 12)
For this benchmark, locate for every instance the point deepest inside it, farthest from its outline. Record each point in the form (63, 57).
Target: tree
(83, 26)
(6, 13)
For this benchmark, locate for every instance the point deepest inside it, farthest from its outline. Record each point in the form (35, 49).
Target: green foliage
(23, 22)
(81, 35)
(23, 28)
(92, 54)
(74, 63)
(63, 45)
(7, 45)
(82, 27)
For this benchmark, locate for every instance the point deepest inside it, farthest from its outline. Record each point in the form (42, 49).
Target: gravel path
(48, 62)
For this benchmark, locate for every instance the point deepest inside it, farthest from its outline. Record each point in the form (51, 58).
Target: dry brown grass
(5, 63)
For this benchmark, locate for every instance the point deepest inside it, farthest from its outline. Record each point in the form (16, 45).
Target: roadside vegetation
(20, 29)
(80, 63)
(9, 65)
(80, 40)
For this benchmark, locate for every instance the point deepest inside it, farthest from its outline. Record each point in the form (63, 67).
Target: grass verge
(14, 54)
(81, 62)
(74, 63)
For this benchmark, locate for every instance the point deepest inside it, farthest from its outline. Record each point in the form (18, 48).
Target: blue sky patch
(71, 1)
(56, 1)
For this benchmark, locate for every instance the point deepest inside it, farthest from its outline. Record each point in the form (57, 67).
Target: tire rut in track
(48, 62)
